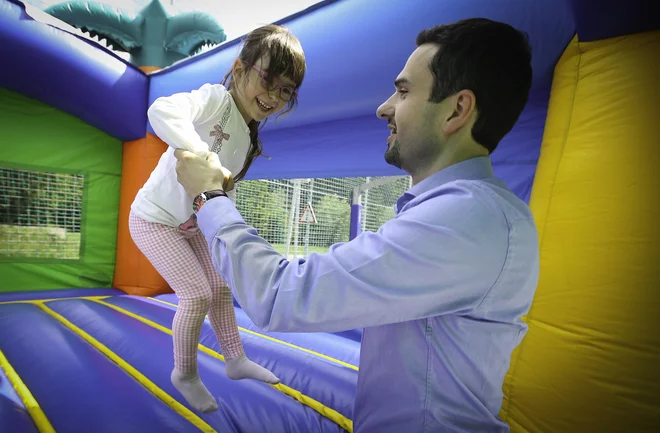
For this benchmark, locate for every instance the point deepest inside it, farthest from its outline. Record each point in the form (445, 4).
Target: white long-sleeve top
(203, 120)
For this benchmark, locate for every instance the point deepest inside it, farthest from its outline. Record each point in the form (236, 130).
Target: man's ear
(461, 106)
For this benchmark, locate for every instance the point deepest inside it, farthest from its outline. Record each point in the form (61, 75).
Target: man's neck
(446, 159)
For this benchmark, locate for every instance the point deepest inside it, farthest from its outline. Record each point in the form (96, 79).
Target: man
(441, 288)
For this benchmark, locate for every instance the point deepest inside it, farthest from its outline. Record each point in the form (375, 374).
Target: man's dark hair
(491, 59)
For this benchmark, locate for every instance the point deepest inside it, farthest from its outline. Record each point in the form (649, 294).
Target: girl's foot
(243, 368)
(194, 391)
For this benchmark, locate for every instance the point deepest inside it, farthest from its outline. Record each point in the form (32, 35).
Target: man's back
(444, 373)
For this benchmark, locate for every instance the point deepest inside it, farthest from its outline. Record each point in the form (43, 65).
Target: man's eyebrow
(401, 82)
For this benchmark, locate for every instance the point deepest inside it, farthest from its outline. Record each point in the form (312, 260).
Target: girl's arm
(173, 117)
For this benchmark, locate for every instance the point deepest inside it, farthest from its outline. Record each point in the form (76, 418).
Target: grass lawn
(38, 243)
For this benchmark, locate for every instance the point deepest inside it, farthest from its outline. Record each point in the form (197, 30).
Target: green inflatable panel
(59, 198)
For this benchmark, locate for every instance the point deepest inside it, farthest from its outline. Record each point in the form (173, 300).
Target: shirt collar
(471, 169)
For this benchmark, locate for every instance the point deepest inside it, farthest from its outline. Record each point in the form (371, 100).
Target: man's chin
(392, 157)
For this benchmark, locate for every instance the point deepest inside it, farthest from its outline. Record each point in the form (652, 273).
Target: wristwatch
(205, 196)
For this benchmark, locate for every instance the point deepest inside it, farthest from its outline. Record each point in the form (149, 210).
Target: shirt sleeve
(173, 118)
(440, 257)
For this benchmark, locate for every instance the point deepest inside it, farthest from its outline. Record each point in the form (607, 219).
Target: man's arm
(434, 259)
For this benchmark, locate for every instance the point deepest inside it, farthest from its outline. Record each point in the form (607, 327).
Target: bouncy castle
(85, 338)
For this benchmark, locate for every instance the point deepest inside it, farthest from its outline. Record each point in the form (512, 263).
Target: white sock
(194, 391)
(243, 368)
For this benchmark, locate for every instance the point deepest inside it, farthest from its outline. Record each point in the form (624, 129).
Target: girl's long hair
(287, 59)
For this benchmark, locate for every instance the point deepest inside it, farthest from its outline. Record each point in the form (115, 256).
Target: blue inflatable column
(356, 220)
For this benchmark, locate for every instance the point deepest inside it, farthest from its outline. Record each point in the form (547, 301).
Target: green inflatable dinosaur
(152, 37)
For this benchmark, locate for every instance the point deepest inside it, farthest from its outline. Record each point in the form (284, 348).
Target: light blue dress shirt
(440, 290)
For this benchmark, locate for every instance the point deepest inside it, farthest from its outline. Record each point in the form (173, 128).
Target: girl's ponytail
(255, 150)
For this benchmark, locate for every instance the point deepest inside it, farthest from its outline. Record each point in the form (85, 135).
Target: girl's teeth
(264, 106)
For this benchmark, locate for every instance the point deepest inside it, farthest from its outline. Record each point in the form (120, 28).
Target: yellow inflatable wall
(591, 359)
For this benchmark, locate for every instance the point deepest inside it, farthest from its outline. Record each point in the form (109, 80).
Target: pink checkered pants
(183, 259)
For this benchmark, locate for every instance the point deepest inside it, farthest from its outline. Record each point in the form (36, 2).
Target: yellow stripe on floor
(128, 368)
(65, 298)
(284, 343)
(333, 415)
(31, 405)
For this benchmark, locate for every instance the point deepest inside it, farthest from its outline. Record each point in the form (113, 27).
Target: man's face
(414, 122)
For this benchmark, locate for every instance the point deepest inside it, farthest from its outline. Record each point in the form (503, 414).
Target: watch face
(203, 197)
(197, 202)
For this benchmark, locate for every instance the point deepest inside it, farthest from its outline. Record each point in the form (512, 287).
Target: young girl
(225, 120)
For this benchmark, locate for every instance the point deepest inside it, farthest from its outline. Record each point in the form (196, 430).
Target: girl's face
(254, 99)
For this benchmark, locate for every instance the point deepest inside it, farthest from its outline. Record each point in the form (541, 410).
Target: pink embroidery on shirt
(219, 135)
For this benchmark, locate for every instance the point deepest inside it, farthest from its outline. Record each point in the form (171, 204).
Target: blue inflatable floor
(100, 361)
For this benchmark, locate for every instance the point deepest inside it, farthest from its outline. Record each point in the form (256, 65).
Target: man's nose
(385, 111)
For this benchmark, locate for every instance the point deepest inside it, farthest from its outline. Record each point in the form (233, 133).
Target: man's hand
(197, 173)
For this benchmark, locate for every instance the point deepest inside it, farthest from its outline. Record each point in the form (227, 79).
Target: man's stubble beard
(392, 155)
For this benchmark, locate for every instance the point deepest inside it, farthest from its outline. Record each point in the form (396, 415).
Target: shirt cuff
(216, 214)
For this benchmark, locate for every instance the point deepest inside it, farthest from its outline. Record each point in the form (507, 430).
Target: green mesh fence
(302, 216)
(40, 214)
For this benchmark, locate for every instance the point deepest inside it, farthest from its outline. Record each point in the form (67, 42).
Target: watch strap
(205, 196)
